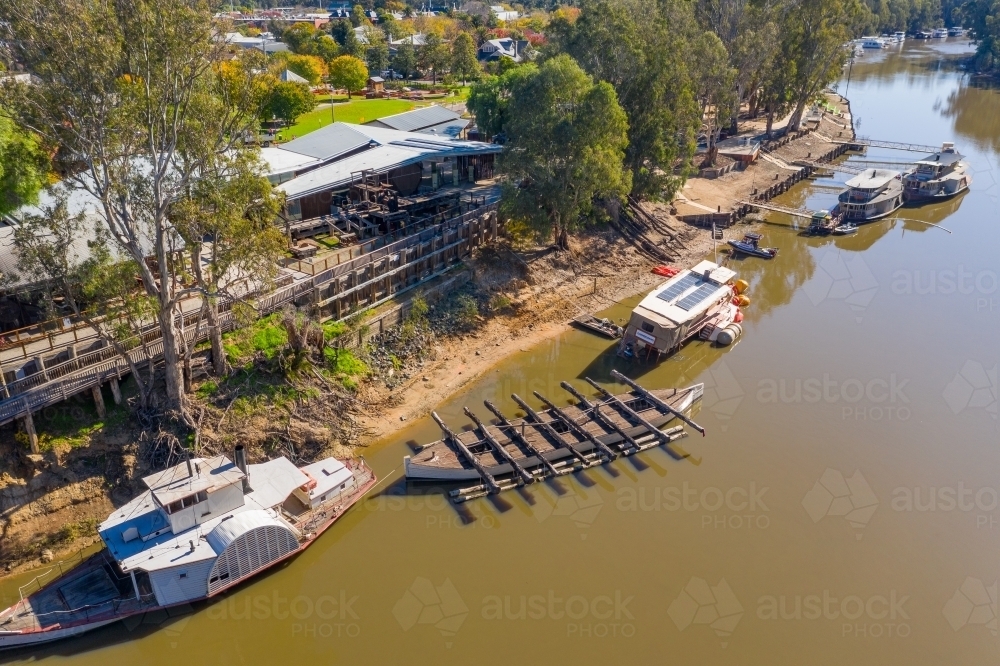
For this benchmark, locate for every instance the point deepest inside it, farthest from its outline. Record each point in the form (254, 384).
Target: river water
(843, 507)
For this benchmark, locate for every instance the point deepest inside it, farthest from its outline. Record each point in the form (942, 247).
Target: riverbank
(703, 197)
(52, 505)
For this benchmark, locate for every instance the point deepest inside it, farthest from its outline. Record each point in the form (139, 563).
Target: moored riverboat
(938, 176)
(702, 301)
(201, 527)
(871, 195)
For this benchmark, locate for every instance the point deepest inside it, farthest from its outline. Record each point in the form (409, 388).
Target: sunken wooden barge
(554, 441)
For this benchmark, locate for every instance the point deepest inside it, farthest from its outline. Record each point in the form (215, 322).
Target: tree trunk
(219, 364)
(796, 119)
(172, 363)
(770, 121)
(562, 238)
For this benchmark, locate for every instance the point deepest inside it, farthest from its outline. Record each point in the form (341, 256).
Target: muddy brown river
(843, 509)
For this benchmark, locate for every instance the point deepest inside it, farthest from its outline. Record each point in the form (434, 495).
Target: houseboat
(923, 34)
(956, 31)
(939, 176)
(871, 195)
(939, 33)
(899, 36)
(873, 43)
(201, 527)
(702, 301)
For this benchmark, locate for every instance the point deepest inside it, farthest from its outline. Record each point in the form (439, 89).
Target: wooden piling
(601, 418)
(545, 427)
(516, 436)
(575, 427)
(98, 401)
(487, 477)
(116, 391)
(526, 476)
(29, 428)
(629, 412)
(653, 400)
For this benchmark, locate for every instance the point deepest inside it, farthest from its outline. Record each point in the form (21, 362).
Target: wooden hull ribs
(555, 441)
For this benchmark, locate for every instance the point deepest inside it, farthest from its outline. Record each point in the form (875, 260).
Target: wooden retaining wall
(726, 219)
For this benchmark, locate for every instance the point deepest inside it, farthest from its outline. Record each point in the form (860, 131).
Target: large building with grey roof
(313, 169)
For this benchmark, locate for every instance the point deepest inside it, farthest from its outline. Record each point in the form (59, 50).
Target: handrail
(60, 381)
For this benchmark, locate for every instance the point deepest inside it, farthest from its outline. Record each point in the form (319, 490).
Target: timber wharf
(512, 453)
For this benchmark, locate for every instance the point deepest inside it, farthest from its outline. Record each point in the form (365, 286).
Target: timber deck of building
(337, 291)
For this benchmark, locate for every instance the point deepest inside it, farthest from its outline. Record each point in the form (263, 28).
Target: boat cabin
(941, 174)
(208, 523)
(872, 194)
(680, 307)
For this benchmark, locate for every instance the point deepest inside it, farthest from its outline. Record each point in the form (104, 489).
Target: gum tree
(566, 143)
(132, 95)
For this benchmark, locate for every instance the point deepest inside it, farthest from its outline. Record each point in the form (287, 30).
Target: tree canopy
(156, 68)
(289, 100)
(23, 166)
(567, 140)
(632, 44)
(348, 72)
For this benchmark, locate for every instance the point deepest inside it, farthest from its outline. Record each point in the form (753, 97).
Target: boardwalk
(361, 283)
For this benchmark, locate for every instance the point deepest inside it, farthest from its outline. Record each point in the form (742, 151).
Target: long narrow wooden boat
(586, 433)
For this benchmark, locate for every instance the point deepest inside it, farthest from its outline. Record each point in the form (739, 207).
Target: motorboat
(751, 245)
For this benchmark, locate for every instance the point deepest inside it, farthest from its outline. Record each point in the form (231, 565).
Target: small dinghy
(845, 229)
(751, 245)
(604, 327)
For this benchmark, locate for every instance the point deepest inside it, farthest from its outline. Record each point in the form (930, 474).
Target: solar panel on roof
(679, 287)
(697, 296)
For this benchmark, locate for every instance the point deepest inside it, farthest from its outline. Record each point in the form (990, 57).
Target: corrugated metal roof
(328, 142)
(283, 161)
(451, 129)
(337, 174)
(417, 119)
(871, 179)
(230, 530)
(389, 149)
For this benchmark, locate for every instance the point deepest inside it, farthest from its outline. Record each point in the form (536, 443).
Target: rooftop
(871, 179)
(329, 142)
(210, 474)
(328, 474)
(417, 119)
(269, 480)
(388, 149)
(944, 158)
(686, 295)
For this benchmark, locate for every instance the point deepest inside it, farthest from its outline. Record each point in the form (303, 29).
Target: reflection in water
(972, 106)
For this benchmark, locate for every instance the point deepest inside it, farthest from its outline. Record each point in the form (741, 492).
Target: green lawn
(356, 111)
